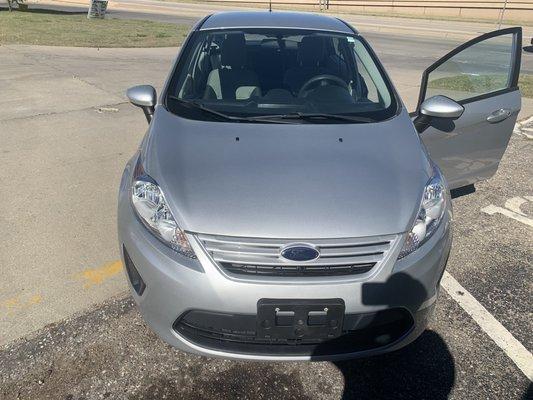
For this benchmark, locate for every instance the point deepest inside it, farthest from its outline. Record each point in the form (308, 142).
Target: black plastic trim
(134, 276)
(237, 333)
(462, 191)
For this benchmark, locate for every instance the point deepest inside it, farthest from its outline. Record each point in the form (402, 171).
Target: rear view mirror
(437, 107)
(143, 96)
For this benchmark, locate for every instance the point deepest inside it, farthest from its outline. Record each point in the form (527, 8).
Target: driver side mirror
(437, 107)
(145, 97)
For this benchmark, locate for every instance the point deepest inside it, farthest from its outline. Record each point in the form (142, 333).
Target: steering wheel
(322, 78)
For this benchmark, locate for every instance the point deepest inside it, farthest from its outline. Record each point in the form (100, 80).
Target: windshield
(268, 74)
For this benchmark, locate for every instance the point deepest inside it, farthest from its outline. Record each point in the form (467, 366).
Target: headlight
(429, 215)
(151, 207)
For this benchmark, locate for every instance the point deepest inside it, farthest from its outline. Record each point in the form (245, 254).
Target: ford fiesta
(285, 205)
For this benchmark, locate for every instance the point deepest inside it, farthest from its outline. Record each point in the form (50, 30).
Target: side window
(479, 69)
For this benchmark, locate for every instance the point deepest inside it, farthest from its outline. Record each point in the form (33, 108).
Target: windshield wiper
(199, 106)
(311, 116)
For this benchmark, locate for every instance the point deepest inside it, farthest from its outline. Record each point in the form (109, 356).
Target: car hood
(287, 180)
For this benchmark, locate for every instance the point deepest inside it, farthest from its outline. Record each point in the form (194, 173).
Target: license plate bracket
(300, 319)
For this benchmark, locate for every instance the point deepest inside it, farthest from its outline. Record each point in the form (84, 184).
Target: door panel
(472, 150)
(482, 75)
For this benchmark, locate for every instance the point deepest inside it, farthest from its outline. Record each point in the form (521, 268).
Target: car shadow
(423, 369)
(528, 395)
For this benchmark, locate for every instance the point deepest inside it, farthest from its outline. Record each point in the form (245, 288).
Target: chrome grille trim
(364, 251)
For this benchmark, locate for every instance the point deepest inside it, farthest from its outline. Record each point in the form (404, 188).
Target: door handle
(499, 115)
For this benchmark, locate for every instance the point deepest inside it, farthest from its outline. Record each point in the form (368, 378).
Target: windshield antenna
(270, 5)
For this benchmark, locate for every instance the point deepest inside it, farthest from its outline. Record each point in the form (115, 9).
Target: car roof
(275, 19)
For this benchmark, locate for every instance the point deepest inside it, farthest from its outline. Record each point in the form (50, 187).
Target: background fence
(515, 10)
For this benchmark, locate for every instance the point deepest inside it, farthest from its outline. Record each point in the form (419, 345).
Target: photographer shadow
(423, 369)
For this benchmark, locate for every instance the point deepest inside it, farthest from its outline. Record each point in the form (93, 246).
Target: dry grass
(482, 83)
(56, 28)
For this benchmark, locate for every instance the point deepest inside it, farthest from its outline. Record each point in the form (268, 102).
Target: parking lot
(69, 329)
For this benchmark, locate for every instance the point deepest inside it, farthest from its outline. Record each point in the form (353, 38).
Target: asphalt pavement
(68, 327)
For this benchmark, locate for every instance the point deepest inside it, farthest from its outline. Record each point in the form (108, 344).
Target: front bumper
(176, 285)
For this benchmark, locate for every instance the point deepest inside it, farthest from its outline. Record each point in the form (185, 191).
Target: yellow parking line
(91, 277)
(96, 276)
(14, 304)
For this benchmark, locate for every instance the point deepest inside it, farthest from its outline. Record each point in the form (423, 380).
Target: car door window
(482, 75)
(477, 69)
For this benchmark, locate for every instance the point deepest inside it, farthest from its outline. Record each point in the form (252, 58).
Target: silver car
(284, 205)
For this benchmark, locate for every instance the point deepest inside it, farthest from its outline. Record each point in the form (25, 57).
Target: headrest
(311, 51)
(233, 51)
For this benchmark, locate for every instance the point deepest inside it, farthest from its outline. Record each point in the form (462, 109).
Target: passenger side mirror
(143, 96)
(437, 107)
(441, 107)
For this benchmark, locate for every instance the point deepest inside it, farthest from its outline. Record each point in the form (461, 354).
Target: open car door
(482, 76)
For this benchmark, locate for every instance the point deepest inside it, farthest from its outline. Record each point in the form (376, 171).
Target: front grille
(297, 270)
(261, 257)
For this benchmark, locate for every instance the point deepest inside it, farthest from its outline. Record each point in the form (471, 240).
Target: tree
(11, 3)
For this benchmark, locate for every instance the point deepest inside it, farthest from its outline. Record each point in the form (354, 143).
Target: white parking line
(515, 203)
(490, 325)
(524, 128)
(512, 209)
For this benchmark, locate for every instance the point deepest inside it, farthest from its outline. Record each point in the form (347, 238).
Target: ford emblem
(300, 252)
